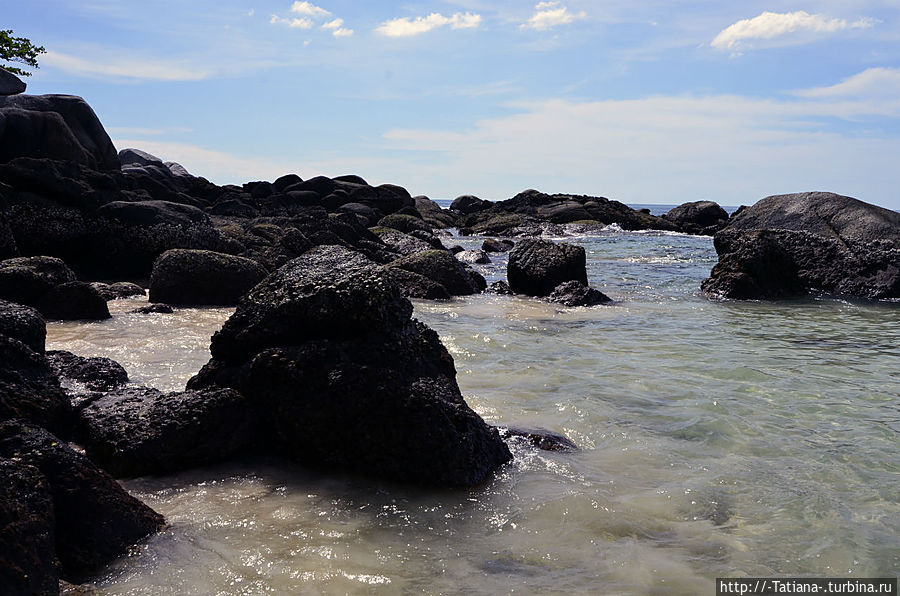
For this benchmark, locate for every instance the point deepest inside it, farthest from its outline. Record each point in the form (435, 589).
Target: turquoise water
(716, 439)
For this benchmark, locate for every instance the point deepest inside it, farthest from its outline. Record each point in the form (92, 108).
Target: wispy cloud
(337, 28)
(408, 27)
(551, 14)
(772, 25)
(305, 8)
(877, 83)
(132, 68)
(292, 22)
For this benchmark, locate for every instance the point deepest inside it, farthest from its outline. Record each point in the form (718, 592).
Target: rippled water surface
(716, 439)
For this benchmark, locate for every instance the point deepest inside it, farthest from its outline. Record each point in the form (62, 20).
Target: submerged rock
(536, 267)
(120, 289)
(544, 440)
(575, 293)
(95, 373)
(326, 351)
(202, 277)
(163, 309)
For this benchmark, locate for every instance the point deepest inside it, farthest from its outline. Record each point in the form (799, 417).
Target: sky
(646, 101)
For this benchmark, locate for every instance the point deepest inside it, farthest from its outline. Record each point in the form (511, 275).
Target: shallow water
(717, 439)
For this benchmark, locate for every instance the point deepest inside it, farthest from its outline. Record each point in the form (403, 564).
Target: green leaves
(18, 49)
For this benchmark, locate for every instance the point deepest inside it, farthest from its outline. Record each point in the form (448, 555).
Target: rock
(456, 249)
(537, 267)
(10, 84)
(96, 520)
(72, 301)
(433, 215)
(497, 245)
(442, 267)
(286, 181)
(55, 127)
(141, 431)
(28, 562)
(94, 373)
(473, 257)
(235, 208)
(27, 279)
(126, 289)
(24, 324)
(344, 379)
(136, 156)
(28, 387)
(400, 243)
(468, 204)
(500, 288)
(575, 293)
(790, 245)
(544, 440)
(177, 169)
(413, 285)
(699, 217)
(351, 178)
(8, 247)
(403, 223)
(163, 309)
(202, 277)
(366, 214)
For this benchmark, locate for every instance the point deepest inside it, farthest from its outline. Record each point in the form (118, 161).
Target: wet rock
(413, 285)
(94, 373)
(26, 279)
(442, 267)
(163, 309)
(366, 214)
(140, 431)
(468, 204)
(125, 289)
(72, 301)
(201, 277)
(497, 245)
(698, 217)
(96, 520)
(10, 84)
(403, 223)
(402, 244)
(433, 215)
(473, 257)
(544, 440)
(28, 387)
(23, 323)
(500, 288)
(537, 267)
(456, 249)
(575, 293)
(790, 245)
(326, 350)
(28, 562)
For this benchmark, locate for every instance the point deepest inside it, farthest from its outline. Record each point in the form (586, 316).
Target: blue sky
(648, 101)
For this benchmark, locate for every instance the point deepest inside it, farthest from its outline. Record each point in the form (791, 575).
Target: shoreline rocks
(536, 267)
(201, 277)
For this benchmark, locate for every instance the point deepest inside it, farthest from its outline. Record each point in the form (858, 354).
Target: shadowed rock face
(343, 378)
(24, 324)
(28, 387)
(198, 277)
(789, 245)
(698, 217)
(10, 84)
(537, 267)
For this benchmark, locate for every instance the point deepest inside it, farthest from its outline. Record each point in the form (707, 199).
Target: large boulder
(28, 562)
(698, 217)
(10, 84)
(433, 215)
(326, 351)
(202, 277)
(94, 373)
(575, 293)
(140, 431)
(28, 387)
(442, 267)
(24, 324)
(73, 301)
(132, 156)
(27, 279)
(468, 204)
(536, 267)
(96, 520)
(789, 245)
(55, 127)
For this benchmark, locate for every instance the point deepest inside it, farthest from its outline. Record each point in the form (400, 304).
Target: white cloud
(342, 32)
(125, 67)
(551, 14)
(771, 25)
(293, 23)
(407, 27)
(876, 83)
(305, 8)
(335, 24)
(251, 12)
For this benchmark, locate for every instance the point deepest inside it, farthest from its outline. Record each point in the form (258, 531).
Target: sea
(715, 439)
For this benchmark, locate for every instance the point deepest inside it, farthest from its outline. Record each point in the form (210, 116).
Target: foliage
(18, 49)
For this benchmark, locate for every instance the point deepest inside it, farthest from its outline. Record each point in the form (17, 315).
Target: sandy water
(716, 439)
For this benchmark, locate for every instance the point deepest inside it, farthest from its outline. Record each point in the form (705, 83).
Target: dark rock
(473, 257)
(10, 84)
(136, 156)
(126, 289)
(542, 439)
(326, 351)
(286, 181)
(28, 387)
(177, 169)
(644, 210)
(402, 244)
(199, 277)
(699, 217)
(27, 279)
(442, 267)
(164, 309)
(351, 178)
(368, 215)
(8, 247)
(537, 267)
(429, 237)
(456, 249)
(234, 208)
(433, 215)
(28, 562)
(24, 324)
(790, 245)
(140, 431)
(72, 301)
(96, 520)
(320, 185)
(496, 245)
(94, 373)
(55, 127)
(259, 189)
(468, 204)
(403, 223)
(575, 293)
(413, 285)
(500, 288)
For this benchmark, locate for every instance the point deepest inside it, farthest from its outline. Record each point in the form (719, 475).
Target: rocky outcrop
(433, 215)
(10, 84)
(96, 521)
(402, 244)
(575, 293)
(790, 245)
(27, 279)
(202, 277)
(93, 373)
(468, 204)
(497, 245)
(326, 351)
(537, 267)
(442, 267)
(403, 223)
(119, 289)
(140, 431)
(698, 217)
(28, 387)
(73, 301)
(54, 127)
(24, 324)
(28, 562)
